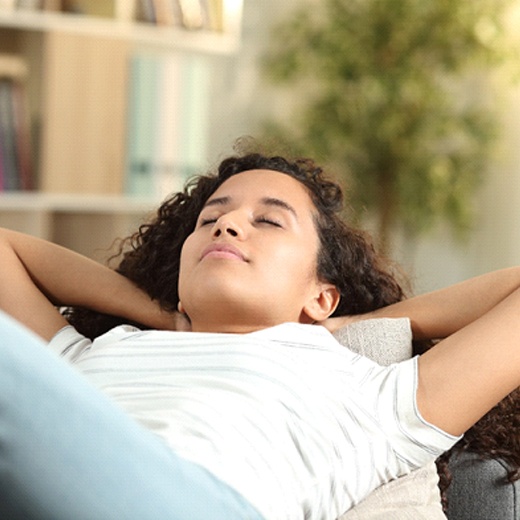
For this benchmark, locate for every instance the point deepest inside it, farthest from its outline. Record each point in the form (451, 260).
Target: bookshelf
(77, 74)
(87, 224)
(173, 38)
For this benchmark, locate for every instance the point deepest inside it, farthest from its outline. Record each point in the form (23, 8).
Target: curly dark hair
(346, 258)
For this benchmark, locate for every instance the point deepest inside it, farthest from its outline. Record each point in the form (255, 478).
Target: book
(165, 12)
(169, 178)
(101, 8)
(145, 11)
(14, 124)
(214, 10)
(22, 125)
(10, 177)
(143, 107)
(167, 140)
(194, 117)
(52, 5)
(29, 5)
(192, 15)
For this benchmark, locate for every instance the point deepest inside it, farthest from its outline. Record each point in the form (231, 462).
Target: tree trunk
(386, 203)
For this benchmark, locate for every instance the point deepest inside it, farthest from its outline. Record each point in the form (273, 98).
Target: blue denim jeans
(68, 453)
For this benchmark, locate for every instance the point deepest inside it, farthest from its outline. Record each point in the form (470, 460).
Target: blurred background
(443, 252)
(414, 104)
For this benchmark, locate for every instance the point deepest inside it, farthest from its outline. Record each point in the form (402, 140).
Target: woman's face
(250, 263)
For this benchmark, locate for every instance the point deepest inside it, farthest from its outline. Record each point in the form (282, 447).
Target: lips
(224, 251)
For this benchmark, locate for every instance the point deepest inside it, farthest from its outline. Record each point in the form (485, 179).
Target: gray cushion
(480, 491)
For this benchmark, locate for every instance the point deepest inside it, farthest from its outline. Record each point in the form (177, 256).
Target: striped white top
(296, 423)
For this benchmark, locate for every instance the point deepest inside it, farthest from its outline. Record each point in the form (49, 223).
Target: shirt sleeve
(69, 343)
(412, 437)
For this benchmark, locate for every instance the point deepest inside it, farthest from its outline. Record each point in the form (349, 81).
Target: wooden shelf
(168, 38)
(73, 203)
(87, 224)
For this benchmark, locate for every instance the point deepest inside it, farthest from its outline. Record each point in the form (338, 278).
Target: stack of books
(167, 126)
(15, 149)
(188, 14)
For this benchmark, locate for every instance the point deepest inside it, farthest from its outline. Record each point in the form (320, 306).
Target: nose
(227, 225)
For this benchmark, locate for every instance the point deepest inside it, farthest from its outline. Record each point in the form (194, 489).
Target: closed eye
(207, 221)
(272, 222)
(259, 220)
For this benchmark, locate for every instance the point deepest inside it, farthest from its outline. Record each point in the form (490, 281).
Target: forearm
(465, 375)
(37, 274)
(441, 313)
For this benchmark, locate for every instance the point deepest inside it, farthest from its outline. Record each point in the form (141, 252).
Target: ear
(322, 304)
(180, 308)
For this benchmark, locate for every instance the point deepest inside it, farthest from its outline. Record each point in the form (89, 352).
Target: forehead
(265, 183)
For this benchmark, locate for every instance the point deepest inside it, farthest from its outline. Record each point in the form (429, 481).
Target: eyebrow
(266, 201)
(279, 203)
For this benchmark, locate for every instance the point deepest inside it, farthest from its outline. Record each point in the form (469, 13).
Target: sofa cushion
(412, 497)
(384, 340)
(480, 490)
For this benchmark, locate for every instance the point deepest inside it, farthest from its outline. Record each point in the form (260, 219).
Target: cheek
(189, 249)
(298, 262)
(186, 261)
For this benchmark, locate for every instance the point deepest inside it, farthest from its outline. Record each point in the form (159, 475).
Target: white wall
(241, 96)
(495, 240)
(242, 99)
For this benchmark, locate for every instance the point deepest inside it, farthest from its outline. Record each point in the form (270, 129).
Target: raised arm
(439, 314)
(466, 374)
(478, 362)
(36, 276)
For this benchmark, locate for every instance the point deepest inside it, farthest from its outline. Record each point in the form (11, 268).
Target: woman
(265, 414)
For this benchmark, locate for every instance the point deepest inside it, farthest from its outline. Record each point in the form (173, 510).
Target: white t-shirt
(299, 425)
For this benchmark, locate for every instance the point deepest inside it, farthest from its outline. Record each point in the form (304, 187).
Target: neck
(229, 322)
(225, 328)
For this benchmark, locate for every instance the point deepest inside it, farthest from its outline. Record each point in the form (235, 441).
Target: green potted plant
(392, 96)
